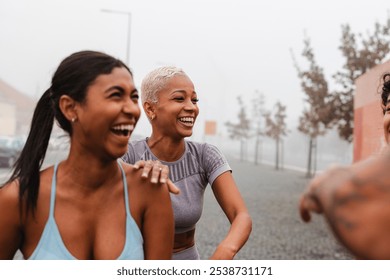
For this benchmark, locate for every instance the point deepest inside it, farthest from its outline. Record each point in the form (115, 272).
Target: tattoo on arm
(359, 192)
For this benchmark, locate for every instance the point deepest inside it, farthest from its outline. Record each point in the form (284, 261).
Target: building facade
(16, 111)
(368, 116)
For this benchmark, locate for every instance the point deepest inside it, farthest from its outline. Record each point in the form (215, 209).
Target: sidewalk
(278, 233)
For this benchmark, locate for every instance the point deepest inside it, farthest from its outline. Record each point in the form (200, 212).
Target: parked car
(10, 149)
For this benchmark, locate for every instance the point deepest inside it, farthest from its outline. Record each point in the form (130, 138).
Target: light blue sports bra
(51, 246)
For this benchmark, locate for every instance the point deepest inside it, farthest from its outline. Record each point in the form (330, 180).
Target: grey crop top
(199, 166)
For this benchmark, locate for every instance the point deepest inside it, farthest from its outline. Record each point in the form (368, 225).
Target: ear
(149, 110)
(68, 107)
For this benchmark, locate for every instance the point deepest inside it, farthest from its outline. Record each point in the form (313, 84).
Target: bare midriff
(184, 241)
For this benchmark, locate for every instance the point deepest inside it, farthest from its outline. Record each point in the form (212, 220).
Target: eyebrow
(119, 88)
(182, 91)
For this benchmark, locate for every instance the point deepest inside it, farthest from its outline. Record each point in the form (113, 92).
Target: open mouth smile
(188, 121)
(123, 129)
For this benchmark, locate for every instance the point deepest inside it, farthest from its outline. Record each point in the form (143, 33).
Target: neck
(87, 171)
(166, 149)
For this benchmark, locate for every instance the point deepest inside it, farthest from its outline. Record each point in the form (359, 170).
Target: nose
(189, 105)
(131, 108)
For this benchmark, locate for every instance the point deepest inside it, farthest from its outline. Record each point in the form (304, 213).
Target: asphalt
(278, 233)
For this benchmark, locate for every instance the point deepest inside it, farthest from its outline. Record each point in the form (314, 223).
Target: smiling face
(176, 110)
(109, 114)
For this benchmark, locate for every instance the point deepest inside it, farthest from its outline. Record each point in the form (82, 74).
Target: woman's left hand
(159, 173)
(223, 253)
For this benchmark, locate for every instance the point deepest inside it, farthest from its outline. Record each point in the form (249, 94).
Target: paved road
(278, 233)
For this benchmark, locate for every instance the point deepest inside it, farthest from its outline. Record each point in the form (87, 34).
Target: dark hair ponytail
(73, 77)
(27, 167)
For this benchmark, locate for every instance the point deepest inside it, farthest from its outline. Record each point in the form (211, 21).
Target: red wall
(368, 117)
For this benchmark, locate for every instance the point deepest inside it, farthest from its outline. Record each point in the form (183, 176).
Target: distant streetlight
(128, 14)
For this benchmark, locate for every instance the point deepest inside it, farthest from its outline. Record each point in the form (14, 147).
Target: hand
(159, 173)
(320, 191)
(223, 253)
(355, 202)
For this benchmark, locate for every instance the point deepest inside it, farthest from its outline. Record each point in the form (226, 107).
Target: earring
(152, 117)
(74, 119)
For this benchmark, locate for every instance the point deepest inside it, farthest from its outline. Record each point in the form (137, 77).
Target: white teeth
(124, 127)
(188, 119)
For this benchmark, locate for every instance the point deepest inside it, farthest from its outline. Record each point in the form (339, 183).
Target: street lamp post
(128, 14)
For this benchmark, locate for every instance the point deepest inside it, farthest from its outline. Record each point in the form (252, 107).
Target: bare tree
(276, 128)
(241, 130)
(361, 54)
(317, 117)
(258, 120)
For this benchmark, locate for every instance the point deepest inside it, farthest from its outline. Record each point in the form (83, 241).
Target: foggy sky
(227, 47)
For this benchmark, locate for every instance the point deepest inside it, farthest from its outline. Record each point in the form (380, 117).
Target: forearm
(237, 236)
(359, 209)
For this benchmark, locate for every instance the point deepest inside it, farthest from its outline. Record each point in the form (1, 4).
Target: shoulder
(9, 200)
(135, 149)
(141, 185)
(129, 170)
(197, 149)
(205, 152)
(138, 144)
(202, 147)
(195, 144)
(143, 195)
(9, 193)
(10, 220)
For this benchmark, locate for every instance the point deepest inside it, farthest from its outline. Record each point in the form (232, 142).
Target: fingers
(139, 164)
(148, 165)
(172, 187)
(164, 171)
(307, 206)
(159, 171)
(320, 193)
(303, 211)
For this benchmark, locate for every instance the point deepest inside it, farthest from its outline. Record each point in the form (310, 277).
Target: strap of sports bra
(54, 185)
(53, 191)
(124, 179)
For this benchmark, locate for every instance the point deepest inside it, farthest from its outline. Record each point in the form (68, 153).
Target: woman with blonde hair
(170, 102)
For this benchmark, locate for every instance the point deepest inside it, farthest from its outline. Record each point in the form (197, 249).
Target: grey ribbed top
(199, 166)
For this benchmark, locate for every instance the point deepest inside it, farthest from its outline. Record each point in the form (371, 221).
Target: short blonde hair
(156, 80)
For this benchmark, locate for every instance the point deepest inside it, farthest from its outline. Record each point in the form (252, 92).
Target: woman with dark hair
(89, 206)
(355, 200)
(386, 106)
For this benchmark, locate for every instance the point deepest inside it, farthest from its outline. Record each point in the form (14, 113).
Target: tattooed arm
(356, 203)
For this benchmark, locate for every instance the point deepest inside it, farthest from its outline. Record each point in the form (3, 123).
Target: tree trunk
(245, 150)
(315, 156)
(308, 170)
(277, 155)
(241, 150)
(256, 149)
(281, 154)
